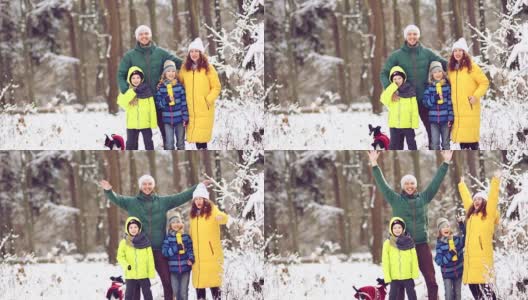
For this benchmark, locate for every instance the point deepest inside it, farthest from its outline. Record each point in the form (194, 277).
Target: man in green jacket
(151, 209)
(415, 60)
(411, 206)
(149, 58)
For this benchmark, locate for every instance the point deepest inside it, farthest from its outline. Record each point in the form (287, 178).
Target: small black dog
(372, 292)
(116, 289)
(114, 140)
(381, 141)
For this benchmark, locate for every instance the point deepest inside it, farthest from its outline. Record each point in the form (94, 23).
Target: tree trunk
(396, 169)
(292, 215)
(337, 173)
(341, 76)
(25, 7)
(28, 211)
(209, 21)
(456, 20)
(83, 196)
(377, 31)
(270, 67)
(206, 158)
(416, 164)
(345, 193)
(416, 12)
(398, 37)
(133, 177)
(472, 165)
(114, 30)
(289, 8)
(218, 169)
(470, 4)
(176, 25)
(114, 172)
(482, 27)
(192, 166)
(73, 182)
(152, 163)
(81, 41)
(151, 4)
(101, 45)
(176, 176)
(194, 21)
(440, 25)
(482, 166)
(376, 220)
(73, 30)
(132, 19)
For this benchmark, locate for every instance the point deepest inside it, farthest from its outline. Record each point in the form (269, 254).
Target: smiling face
(458, 54)
(199, 202)
(144, 38)
(194, 54)
(135, 80)
(477, 202)
(397, 229)
(176, 226)
(409, 187)
(438, 75)
(412, 38)
(445, 231)
(147, 186)
(170, 74)
(133, 229)
(398, 80)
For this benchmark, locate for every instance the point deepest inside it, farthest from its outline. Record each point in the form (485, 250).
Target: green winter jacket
(404, 112)
(412, 208)
(415, 61)
(398, 264)
(151, 210)
(150, 60)
(140, 261)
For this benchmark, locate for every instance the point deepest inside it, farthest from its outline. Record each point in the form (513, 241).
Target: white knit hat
(197, 44)
(146, 177)
(410, 28)
(480, 195)
(461, 44)
(406, 178)
(141, 29)
(201, 191)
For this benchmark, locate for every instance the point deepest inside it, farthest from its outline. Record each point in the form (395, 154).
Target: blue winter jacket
(438, 113)
(451, 269)
(172, 114)
(170, 249)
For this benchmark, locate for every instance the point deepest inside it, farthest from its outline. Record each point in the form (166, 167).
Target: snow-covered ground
(90, 280)
(335, 280)
(72, 130)
(336, 130)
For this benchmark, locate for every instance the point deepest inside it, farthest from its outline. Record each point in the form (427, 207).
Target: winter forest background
(59, 234)
(325, 222)
(324, 66)
(59, 60)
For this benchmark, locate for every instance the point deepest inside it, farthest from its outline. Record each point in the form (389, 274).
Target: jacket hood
(131, 70)
(394, 219)
(130, 219)
(397, 69)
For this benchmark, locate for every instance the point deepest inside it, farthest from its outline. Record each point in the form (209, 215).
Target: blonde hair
(431, 79)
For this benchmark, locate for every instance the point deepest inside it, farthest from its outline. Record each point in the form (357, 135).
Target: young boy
(437, 98)
(400, 99)
(178, 248)
(135, 257)
(138, 103)
(450, 257)
(170, 100)
(399, 261)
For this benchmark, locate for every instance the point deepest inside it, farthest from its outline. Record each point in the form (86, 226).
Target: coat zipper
(194, 108)
(458, 101)
(211, 246)
(480, 242)
(198, 242)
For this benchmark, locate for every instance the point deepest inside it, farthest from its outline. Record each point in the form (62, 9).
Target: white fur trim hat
(406, 178)
(461, 44)
(480, 195)
(410, 28)
(141, 29)
(201, 191)
(197, 44)
(146, 177)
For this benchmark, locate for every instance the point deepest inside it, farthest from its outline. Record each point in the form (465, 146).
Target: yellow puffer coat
(208, 268)
(398, 264)
(142, 115)
(141, 261)
(466, 128)
(402, 113)
(201, 91)
(478, 259)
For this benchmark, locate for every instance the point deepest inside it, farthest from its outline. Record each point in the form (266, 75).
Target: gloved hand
(453, 252)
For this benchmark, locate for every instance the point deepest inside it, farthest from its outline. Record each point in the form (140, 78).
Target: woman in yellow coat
(468, 85)
(202, 87)
(208, 268)
(481, 217)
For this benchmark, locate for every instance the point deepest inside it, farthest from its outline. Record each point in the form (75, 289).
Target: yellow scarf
(179, 240)
(452, 247)
(171, 92)
(439, 85)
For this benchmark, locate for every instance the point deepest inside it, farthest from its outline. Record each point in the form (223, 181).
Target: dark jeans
(469, 146)
(425, 263)
(398, 288)
(215, 291)
(134, 286)
(201, 146)
(453, 288)
(482, 292)
(162, 267)
(177, 131)
(180, 285)
(424, 116)
(397, 137)
(133, 136)
(160, 125)
(440, 132)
